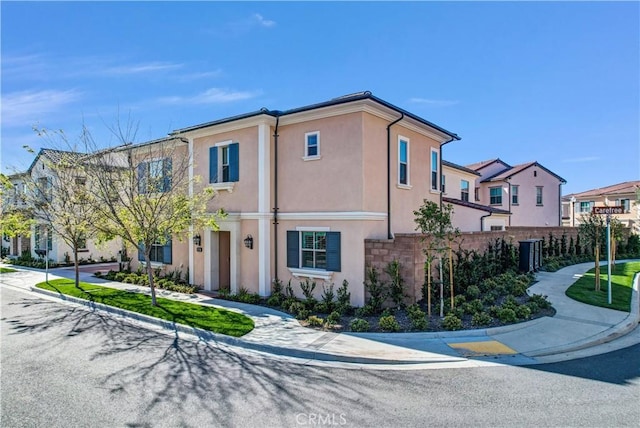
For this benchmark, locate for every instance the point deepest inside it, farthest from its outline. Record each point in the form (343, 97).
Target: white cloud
(27, 107)
(150, 67)
(200, 75)
(211, 96)
(263, 22)
(433, 102)
(582, 159)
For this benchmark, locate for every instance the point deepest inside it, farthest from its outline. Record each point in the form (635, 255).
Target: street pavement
(575, 328)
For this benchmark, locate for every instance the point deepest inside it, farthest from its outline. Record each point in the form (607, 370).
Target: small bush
(459, 300)
(377, 290)
(480, 319)
(417, 317)
(274, 301)
(523, 312)
(365, 311)
(315, 321)
(333, 318)
(451, 322)
(359, 325)
(540, 300)
(302, 314)
(473, 292)
(533, 307)
(507, 315)
(473, 307)
(327, 298)
(388, 323)
(296, 307)
(494, 311)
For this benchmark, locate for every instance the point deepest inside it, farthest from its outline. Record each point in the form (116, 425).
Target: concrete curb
(230, 340)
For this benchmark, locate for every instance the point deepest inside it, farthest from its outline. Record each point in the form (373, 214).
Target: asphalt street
(63, 366)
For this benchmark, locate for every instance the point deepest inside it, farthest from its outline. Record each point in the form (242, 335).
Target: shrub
(388, 323)
(451, 322)
(377, 290)
(274, 301)
(459, 300)
(481, 318)
(296, 307)
(523, 312)
(473, 307)
(315, 321)
(396, 287)
(507, 315)
(473, 292)
(494, 311)
(359, 325)
(307, 290)
(417, 317)
(333, 318)
(533, 307)
(540, 300)
(327, 298)
(365, 311)
(120, 276)
(302, 314)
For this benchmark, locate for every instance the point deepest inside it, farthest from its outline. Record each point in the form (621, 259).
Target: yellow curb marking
(489, 347)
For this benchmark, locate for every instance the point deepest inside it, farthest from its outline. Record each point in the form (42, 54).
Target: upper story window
(224, 162)
(313, 249)
(585, 207)
(476, 194)
(403, 161)
(44, 188)
(464, 190)
(41, 233)
(514, 195)
(435, 166)
(495, 195)
(538, 195)
(442, 181)
(154, 176)
(312, 145)
(625, 204)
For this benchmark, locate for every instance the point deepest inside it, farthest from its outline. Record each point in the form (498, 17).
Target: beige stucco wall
(527, 213)
(453, 185)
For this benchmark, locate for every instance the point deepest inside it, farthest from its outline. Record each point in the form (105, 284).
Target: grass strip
(583, 290)
(205, 317)
(7, 270)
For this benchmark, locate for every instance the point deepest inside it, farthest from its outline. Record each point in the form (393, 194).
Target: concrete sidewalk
(575, 326)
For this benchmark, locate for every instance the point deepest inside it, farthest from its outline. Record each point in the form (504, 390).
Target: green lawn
(205, 317)
(583, 290)
(7, 270)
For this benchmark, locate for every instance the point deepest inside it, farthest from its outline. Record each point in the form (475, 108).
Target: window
(495, 195)
(514, 195)
(42, 231)
(224, 167)
(585, 207)
(82, 242)
(44, 188)
(160, 253)
(495, 228)
(476, 194)
(625, 204)
(312, 145)
(464, 190)
(154, 176)
(308, 249)
(538, 195)
(403, 161)
(442, 180)
(434, 170)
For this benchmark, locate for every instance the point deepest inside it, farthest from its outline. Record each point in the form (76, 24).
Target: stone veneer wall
(408, 250)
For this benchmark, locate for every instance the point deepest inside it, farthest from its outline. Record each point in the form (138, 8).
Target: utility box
(530, 255)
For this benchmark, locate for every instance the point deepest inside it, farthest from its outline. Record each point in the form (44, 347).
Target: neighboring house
(458, 183)
(304, 188)
(15, 200)
(625, 195)
(529, 191)
(38, 179)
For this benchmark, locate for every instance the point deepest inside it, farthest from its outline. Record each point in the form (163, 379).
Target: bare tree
(591, 229)
(144, 194)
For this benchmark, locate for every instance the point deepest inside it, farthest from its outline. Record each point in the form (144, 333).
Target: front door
(224, 260)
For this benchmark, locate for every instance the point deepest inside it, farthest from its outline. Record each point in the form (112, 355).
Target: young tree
(434, 222)
(591, 229)
(16, 218)
(145, 195)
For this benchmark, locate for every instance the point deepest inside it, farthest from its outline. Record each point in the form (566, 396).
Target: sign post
(608, 211)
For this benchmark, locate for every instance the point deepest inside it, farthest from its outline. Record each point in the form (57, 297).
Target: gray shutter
(213, 164)
(293, 249)
(234, 162)
(333, 251)
(166, 253)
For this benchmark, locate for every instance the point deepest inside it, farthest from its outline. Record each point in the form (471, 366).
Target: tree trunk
(441, 289)
(152, 286)
(597, 257)
(451, 275)
(76, 266)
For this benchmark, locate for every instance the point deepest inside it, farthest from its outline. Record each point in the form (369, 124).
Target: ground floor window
(160, 252)
(309, 249)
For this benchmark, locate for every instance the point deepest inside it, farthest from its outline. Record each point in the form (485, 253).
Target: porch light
(248, 242)
(197, 240)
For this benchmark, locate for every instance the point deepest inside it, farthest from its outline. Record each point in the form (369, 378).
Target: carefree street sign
(607, 210)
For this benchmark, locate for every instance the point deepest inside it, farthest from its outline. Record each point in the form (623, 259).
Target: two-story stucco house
(625, 195)
(458, 184)
(529, 191)
(304, 188)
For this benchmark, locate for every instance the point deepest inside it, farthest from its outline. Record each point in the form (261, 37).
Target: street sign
(608, 210)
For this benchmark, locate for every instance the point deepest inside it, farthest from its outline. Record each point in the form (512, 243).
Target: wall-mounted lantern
(248, 242)
(197, 240)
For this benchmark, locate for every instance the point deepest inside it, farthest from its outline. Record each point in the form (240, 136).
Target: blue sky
(552, 82)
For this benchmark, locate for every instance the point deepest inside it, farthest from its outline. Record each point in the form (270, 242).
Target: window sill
(311, 273)
(404, 186)
(311, 158)
(222, 186)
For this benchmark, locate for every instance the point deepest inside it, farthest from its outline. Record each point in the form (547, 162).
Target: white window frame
(462, 190)
(539, 196)
(515, 194)
(434, 168)
(589, 205)
(307, 156)
(626, 206)
(302, 272)
(498, 196)
(407, 141)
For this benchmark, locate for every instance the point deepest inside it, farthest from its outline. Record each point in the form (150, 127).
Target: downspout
(389, 235)
(560, 204)
(482, 221)
(509, 196)
(441, 171)
(275, 197)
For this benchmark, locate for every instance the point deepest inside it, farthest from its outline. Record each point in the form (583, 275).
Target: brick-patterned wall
(408, 249)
